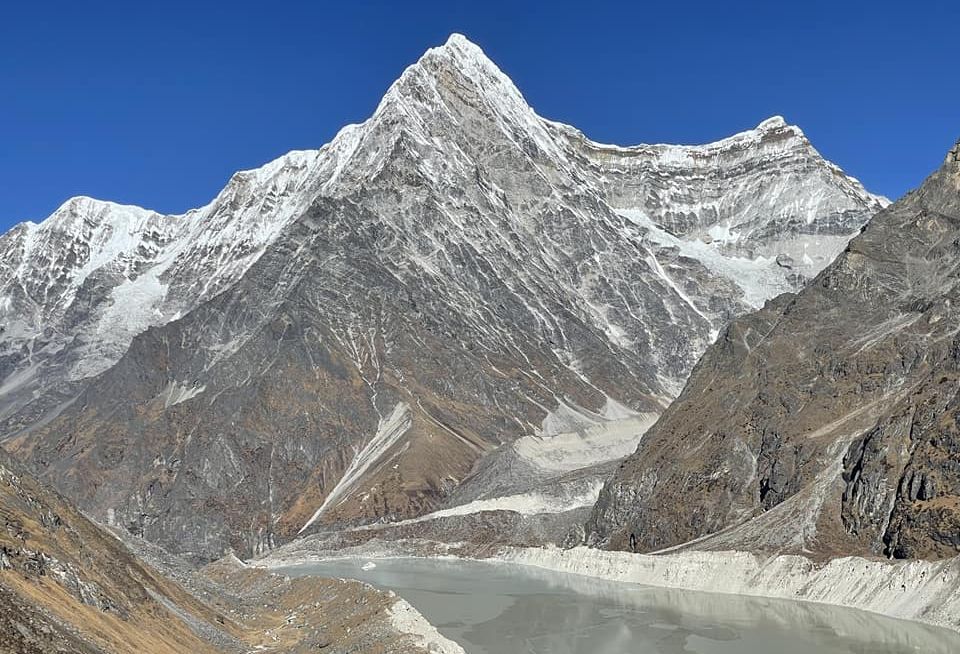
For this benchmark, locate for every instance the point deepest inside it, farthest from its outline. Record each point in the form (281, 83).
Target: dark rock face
(902, 479)
(833, 411)
(353, 328)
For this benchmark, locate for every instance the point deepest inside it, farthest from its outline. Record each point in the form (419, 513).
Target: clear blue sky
(157, 103)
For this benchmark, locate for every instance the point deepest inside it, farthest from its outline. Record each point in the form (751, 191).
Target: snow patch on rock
(389, 432)
(532, 503)
(176, 392)
(592, 443)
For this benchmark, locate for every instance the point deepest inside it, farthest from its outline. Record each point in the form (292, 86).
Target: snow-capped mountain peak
(774, 122)
(167, 264)
(466, 58)
(455, 254)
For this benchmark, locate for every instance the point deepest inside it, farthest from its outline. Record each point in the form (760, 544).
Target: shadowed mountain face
(825, 422)
(342, 335)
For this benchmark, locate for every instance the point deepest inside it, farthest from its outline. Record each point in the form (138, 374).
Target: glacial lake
(497, 608)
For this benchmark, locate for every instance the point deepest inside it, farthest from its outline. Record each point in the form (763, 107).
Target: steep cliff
(825, 422)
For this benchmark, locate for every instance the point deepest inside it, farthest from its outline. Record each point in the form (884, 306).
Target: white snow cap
(460, 41)
(773, 122)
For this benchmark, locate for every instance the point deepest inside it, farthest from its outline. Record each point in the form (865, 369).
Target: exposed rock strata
(343, 334)
(827, 421)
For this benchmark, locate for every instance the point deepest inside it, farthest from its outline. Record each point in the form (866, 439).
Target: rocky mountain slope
(67, 585)
(827, 421)
(343, 335)
(76, 288)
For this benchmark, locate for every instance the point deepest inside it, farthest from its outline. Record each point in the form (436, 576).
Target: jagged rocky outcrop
(827, 421)
(342, 335)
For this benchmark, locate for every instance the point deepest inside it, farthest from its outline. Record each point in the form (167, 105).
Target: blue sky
(157, 104)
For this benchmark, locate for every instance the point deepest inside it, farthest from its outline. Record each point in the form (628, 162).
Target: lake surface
(496, 608)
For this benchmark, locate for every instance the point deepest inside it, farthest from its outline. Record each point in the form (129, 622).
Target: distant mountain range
(455, 289)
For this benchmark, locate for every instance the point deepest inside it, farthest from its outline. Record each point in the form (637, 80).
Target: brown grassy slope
(62, 565)
(68, 585)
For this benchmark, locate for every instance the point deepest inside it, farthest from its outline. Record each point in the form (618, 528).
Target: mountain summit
(346, 334)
